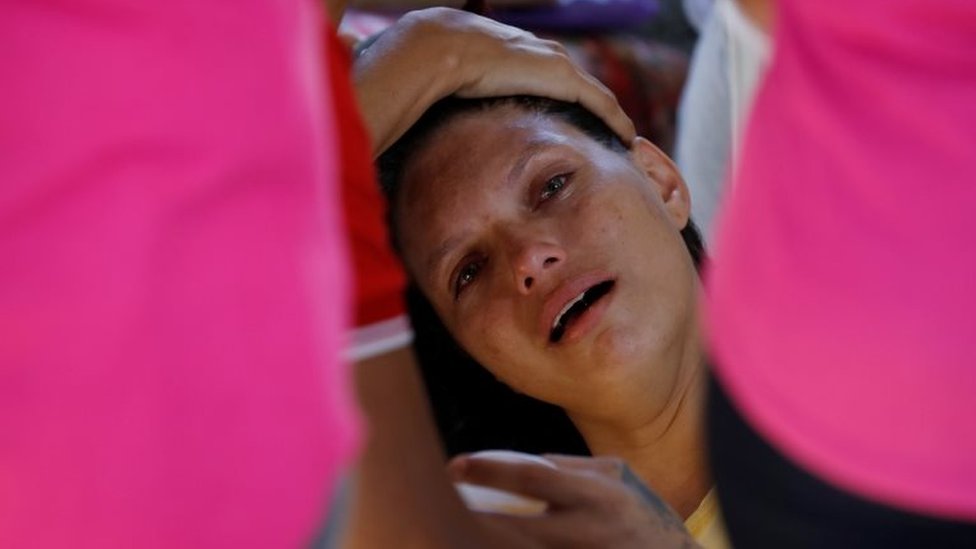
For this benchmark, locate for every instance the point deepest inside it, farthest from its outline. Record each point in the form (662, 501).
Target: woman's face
(554, 261)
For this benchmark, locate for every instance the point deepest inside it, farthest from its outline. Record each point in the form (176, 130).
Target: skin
(497, 241)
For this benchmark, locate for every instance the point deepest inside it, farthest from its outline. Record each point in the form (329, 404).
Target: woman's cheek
(488, 334)
(603, 218)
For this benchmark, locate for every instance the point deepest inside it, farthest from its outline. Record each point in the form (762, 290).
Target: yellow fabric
(706, 524)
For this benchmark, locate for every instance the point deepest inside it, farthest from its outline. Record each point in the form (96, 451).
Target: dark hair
(474, 410)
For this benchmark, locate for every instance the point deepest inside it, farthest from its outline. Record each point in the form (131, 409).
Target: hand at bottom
(593, 502)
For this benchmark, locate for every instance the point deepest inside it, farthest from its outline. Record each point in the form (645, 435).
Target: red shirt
(379, 281)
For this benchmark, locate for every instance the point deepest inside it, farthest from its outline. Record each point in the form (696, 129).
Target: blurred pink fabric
(842, 301)
(173, 278)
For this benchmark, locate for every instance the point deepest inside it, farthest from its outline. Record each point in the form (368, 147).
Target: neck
(665, 447)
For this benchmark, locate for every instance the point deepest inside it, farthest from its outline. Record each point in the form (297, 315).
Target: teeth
(568, 306)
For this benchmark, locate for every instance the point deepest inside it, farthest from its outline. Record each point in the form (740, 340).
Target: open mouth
(575, 308)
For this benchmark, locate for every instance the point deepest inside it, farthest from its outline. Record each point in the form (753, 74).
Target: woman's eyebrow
(437, 256)
(531, 150)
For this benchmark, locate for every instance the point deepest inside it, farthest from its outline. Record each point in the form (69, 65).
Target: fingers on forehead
(599, 99)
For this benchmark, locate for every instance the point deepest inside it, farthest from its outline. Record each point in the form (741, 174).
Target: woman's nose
(534, 262)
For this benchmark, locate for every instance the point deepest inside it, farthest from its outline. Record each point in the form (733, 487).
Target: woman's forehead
(477, 145)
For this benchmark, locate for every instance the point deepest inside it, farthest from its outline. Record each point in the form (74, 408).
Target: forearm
(403, 497)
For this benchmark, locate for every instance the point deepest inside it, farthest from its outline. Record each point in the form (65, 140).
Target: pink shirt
(172, 281)
(843, 301)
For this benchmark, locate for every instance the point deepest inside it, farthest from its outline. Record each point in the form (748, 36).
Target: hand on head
(433, 53)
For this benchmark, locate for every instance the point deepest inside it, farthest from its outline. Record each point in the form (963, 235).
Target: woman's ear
(665, 178)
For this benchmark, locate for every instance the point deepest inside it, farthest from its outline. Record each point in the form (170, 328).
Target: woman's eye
(466, 276)
(553, 186)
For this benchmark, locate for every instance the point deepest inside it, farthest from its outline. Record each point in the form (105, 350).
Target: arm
(403, 498)
(431, 54)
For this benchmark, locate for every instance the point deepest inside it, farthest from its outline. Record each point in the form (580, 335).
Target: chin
(615, 358)
(632, 350)
(616, 351)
